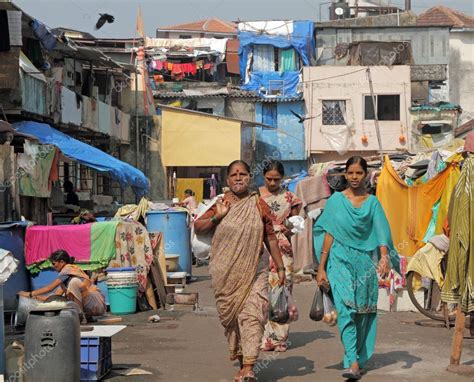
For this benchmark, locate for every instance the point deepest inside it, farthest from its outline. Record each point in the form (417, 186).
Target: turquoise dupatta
(358, 234)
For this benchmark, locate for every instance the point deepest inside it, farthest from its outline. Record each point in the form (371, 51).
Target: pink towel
(42, 241)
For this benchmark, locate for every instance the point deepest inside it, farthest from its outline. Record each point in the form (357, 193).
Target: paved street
(193, 348)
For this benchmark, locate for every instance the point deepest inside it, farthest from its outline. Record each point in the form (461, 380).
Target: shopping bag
(316, 313)
(330, 314)
(279, 305)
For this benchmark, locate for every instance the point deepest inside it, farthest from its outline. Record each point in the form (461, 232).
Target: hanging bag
(316, 313)
(279, 305)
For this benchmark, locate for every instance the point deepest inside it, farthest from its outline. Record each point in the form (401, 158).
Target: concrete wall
(461, 69)
(350, 84)
(430, 45)
(240, 108)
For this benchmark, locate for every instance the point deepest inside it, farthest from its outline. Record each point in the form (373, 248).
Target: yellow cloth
(408, 209)
(446, 198)
(426, 141)
(195, 184)
(426, 263)
(133, 211)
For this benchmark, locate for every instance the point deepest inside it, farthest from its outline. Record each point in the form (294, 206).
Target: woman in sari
(238, 266)
(74, 283)
(283, 204)
(353, 243)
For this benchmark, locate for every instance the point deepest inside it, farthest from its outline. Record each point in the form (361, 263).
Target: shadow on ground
(300, 339)
(378, 361)
(268, 370)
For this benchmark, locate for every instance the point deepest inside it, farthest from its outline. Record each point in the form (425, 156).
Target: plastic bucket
(123, 299)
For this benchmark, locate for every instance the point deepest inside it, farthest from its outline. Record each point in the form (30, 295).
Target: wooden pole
(458, 338)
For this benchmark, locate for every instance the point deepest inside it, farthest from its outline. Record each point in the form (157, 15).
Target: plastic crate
(96, 357)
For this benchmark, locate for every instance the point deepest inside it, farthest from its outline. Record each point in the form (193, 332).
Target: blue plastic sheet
(302, 40)
(87, 155)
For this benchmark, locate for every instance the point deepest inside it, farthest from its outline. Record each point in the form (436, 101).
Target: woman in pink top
(189, 202)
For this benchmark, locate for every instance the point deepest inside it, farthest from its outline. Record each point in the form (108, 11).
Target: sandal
(249, 377)
(351, 374)
(281, 348)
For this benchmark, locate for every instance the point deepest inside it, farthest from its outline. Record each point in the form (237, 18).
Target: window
(269, 114)
(334, 112)
(388, 107)
(185, 36)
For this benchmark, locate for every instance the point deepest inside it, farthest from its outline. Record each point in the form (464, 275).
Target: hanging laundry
(408, 209)
(459, 280)
(34, 170)
(170, 66)
(199, 64)
(48, 40)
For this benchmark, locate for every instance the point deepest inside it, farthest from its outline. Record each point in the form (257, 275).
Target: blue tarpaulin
(259, 80)
(301, 39)
(87, 155)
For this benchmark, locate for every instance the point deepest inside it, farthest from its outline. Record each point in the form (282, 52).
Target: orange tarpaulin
(408, 209)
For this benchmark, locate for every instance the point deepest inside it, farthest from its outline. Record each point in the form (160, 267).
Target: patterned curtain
(263, 58)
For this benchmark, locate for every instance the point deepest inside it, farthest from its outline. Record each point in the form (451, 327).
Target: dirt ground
(190, 346)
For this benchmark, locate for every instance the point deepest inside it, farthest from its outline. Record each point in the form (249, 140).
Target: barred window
(333, 112)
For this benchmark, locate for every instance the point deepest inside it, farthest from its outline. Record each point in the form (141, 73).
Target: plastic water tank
(12, 236)
(53, 346)
(177, 235)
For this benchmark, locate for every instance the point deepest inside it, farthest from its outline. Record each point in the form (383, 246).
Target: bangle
(215, 220)
(325, 252)
(280, 269)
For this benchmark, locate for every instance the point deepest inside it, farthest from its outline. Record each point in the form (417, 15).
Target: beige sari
(240, 284)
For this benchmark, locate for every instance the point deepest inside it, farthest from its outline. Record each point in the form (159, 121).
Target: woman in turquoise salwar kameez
(353, 243)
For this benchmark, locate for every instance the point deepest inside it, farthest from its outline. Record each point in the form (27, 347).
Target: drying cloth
(451, 182)
(408, 209)
(8, 265)
(441, 242)
(195, 184)
(459, 282)
(132, 211)
(92, 245)
(427, 263)
(42, 241)
(102, 244)
(133, 249)
(313, 192)
(430, 232)
(287, 60)
(35, 172)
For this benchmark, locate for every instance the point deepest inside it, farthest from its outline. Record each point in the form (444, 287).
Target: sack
(330, 314)
(279, 305)
(316, 312)
(201, 246)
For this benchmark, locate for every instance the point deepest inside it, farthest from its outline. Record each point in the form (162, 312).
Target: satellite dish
(339, 11)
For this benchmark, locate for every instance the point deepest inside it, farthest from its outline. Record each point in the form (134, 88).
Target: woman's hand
(384, 267)
(322, 279)
(23, 294)
(281, 277)
(222, 209)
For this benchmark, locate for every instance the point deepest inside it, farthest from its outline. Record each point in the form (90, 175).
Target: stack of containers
(122, 287)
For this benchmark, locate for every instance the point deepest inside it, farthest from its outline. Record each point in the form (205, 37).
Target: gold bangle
(326, 252)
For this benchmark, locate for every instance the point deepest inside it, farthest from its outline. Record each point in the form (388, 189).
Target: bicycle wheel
(431, 300)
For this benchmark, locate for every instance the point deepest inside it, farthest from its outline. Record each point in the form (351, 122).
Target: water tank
(53, 346)
(12, 236)
(177, 235)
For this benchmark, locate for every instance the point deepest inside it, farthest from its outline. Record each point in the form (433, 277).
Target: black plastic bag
(279, 305)
(316, 312)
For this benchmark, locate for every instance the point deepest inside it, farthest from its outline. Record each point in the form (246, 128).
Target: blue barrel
(177, 235)
(43, 278)
(12, 238)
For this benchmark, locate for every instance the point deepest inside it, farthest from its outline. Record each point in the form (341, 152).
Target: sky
(83, 14)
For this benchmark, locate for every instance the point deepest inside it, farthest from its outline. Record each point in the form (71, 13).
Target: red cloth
(42, 241)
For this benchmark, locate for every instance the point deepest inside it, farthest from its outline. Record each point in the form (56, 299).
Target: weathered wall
(350, 84)
(461, 69)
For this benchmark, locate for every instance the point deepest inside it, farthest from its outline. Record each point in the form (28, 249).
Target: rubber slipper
(351, 374)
